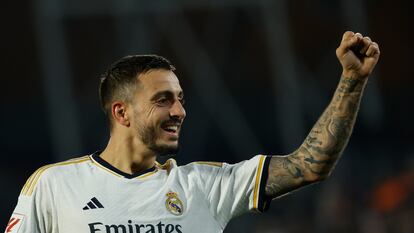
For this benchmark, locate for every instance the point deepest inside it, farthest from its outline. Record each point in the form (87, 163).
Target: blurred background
(256, 73)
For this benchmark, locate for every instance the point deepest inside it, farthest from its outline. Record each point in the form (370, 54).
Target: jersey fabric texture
(88, 195)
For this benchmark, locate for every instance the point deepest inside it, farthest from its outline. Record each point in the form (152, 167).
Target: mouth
(171, 128)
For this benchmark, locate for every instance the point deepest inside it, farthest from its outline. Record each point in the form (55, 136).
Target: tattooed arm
(315, 159)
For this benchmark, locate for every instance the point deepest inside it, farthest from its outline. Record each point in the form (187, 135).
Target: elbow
(320, 170)
(316, 177)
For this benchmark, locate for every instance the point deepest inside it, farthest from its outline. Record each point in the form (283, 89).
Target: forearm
(316, 157)
(328, 138)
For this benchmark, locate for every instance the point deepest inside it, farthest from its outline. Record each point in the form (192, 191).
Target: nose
(177, 110)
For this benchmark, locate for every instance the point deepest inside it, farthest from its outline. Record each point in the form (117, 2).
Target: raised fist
(357, 54)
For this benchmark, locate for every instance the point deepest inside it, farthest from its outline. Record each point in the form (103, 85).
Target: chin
(166, 149)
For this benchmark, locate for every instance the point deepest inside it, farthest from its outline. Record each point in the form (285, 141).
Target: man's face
(158, 111)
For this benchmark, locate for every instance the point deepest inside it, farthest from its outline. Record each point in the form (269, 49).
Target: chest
(108, 205)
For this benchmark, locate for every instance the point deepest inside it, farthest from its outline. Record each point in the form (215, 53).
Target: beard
(149, 137)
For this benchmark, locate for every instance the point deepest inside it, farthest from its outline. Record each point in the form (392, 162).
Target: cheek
(150, 118)
(142, 114)
(157, 114)
(150, 112)
(139, 118)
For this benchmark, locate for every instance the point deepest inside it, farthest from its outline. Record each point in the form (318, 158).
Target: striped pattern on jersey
(30, 184)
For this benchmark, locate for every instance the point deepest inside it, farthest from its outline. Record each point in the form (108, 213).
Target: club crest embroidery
(174, 204)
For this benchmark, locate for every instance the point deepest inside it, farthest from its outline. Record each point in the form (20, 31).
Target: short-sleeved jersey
(88, 195)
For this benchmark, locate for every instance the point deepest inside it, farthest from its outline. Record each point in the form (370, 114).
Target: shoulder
(257, 162)
(202, 165)
(45, 173)
(201, 169)
(209, 165)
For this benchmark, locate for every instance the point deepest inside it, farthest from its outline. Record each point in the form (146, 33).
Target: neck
(128, 154)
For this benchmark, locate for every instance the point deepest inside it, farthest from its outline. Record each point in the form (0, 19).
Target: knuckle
(349, 33)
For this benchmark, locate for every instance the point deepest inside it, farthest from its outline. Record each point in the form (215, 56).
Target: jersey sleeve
(34, 211)
(233, 189)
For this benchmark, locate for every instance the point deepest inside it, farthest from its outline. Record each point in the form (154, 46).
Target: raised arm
(315, 159)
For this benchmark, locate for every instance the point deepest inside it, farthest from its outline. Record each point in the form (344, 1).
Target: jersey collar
(97, 158)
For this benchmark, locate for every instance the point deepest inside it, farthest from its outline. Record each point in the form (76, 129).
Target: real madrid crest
(174, 204)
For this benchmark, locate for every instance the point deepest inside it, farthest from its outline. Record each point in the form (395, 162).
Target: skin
(316, 158)
(139, 134)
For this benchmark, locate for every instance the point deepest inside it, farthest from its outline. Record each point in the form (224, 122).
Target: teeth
(172, 128)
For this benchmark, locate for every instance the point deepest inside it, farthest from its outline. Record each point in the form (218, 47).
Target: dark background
(257, 74)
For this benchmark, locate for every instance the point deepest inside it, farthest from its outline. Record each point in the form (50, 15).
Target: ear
(119, 113)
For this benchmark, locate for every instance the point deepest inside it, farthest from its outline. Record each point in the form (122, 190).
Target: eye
(163, 101)
(182, 101)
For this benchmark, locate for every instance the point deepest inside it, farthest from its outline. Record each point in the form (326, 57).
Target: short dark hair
(120, 79)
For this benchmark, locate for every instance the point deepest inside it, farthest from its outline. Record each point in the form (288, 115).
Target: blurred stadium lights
(284, 73)
(57, 79)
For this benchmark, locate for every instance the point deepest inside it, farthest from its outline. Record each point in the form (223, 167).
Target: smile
(171, 128)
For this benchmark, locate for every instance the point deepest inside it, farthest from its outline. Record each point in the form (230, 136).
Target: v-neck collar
(97, 158)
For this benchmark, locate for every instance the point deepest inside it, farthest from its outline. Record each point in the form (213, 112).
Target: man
(124, 190)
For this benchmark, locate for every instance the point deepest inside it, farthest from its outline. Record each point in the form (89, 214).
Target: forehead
(155, 81)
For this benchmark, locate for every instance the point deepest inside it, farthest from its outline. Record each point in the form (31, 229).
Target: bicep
(285, 175)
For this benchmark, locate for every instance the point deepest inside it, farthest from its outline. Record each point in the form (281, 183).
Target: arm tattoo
(315, 159)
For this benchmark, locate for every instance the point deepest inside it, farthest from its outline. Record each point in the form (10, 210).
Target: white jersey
(88, 195)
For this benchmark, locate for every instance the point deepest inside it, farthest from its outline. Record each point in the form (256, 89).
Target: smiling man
(143, 100)
(122, 189)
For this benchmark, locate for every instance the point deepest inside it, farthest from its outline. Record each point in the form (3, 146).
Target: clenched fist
(357, 54)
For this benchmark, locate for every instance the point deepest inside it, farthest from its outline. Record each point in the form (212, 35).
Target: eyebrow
(166, 93)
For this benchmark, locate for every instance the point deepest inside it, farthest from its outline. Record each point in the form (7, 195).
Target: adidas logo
(93, 204)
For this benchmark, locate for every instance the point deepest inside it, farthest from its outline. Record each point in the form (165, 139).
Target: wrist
(354, 75)
(351, 83)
